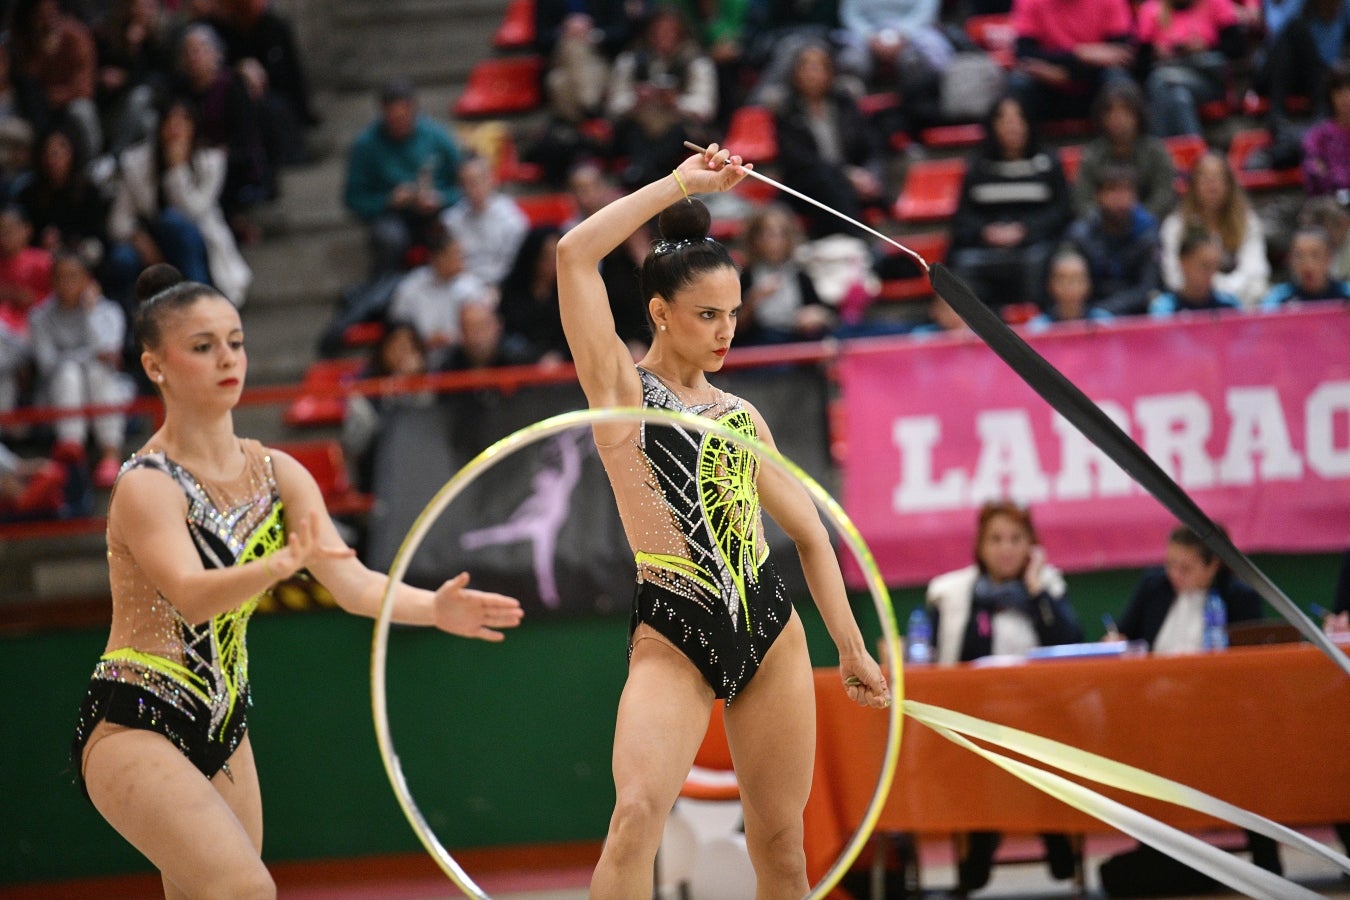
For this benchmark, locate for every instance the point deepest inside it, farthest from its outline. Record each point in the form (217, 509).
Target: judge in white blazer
(1008, 602)
(175, 173)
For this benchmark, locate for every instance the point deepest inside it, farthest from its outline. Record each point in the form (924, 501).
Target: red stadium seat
(752, 134)
(991, 32)
(516, 32)
(510, 169)
(499, 87)
(547, 209)
(933, 248)
(1244, 144)
(931, 190)
(1071, 160)
(1185, 150)
(951, 137)
(327, 463)
(321, 402)
(362, 334)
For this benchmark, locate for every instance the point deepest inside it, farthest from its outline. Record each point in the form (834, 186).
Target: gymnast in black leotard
(720, 601)
(202, 524)
(710, 617)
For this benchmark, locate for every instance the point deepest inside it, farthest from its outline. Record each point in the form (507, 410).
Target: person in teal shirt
(402, 170)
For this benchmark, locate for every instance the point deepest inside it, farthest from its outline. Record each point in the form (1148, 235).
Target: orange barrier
(1261, 727)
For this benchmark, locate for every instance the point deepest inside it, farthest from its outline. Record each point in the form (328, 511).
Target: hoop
(554, 425)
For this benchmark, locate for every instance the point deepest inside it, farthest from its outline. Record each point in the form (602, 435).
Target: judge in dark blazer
(1167, 606)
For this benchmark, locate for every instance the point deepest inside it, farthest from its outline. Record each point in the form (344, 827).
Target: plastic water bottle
(1215, 634)
(919, 638)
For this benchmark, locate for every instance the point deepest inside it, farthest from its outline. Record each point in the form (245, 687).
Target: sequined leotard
(188, 682)
(690, 507)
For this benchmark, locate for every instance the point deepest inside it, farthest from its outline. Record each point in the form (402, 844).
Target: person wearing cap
(402, 171)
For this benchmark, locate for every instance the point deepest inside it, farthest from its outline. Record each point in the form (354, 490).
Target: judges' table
(1266, 728)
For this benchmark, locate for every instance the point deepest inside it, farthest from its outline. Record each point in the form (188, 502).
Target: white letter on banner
(915, 437)
(1174, 429)
(1324, 404)
(1007, 454)
(1079, 458)
(1258, 428)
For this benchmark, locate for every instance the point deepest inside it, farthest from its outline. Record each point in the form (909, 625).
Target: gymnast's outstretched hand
(474, 614)
(863, 681)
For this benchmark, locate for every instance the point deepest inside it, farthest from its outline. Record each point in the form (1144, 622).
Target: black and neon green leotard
(691, 510)
(187, 681)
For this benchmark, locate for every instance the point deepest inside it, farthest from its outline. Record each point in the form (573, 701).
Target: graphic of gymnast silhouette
(540, 516)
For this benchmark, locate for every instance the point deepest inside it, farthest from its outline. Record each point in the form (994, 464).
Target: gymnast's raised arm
(604, 364)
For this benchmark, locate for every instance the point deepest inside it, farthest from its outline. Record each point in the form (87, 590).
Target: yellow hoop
(554, 425)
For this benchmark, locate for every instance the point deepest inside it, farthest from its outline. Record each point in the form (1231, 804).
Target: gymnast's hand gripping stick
(1070, 402)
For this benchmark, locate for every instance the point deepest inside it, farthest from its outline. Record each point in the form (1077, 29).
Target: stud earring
(663, 328)
(160, 378)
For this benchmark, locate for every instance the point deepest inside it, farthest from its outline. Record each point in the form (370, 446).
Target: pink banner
(1250, 414)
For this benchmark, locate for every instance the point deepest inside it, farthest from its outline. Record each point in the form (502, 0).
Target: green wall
(501, 744)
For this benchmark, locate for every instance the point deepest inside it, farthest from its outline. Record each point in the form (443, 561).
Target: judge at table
(1007, 602)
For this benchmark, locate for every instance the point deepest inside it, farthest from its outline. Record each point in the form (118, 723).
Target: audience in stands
(531, 322)
(939, 318)
(1008, 601)
(16, 128)
(1119, 239)
(897, 45)
(261, 44)
(402, 171)
(590, 188)
(430, 296)
(481, 342)
(77, 348)
(779, 302)
(1200, 255)
(826, 149)
(575, 46)
(1327, 213)
(1303, 39)
(25, 280)
(1066, 50)
(168, 207)
(663, 91)
(1310, 254)
(1121, 116)
(1186, 47)
(1014, 207)
(1068, 292)
(30, 488)
(399, 352)
(135, 57)
(785, 27)
(1326, 145)
(229, 117)
(54, 50)
(486, 223)
(723, 30)
(62, 203)
(1215, 202)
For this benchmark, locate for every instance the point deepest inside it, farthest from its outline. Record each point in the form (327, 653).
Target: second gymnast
(711, 619)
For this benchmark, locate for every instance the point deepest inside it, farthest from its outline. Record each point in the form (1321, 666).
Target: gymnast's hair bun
(685, 220)
(155, 280)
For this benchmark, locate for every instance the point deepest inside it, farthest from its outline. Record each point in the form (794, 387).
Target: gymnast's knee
(637, 821)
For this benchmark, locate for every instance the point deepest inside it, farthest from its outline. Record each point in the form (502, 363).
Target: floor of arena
(551, 876)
